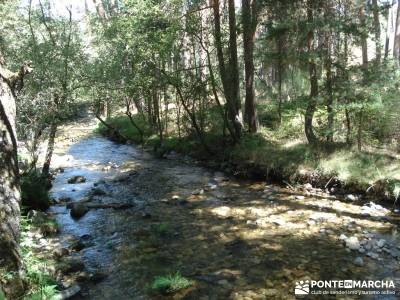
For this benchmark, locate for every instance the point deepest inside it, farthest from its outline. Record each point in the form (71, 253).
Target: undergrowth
(41, 285)
(171, 283)
(282, 151)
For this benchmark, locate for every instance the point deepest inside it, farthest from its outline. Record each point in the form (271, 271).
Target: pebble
(352, 243)
(311, 222)
(358, 261)
(373, 255)
(278, 222)
(380, 243)
(307, 186)
(198, 192)
(76, 179)
(351, 198)
(212, 186)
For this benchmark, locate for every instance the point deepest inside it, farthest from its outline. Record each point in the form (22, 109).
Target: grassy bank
(338, 167)
(39, 279)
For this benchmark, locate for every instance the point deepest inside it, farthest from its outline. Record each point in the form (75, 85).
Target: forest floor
(233, 239)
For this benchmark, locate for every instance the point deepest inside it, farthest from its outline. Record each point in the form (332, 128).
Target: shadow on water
(226, 238)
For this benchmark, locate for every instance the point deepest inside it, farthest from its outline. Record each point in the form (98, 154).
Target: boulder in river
(76, 179)
(358, 261)
(352, 243)
(68, 293)
(60, 252)
(77, 245)
(78, 210)
(351, 198)
(70, 265)
(98, 192)
(97, 276)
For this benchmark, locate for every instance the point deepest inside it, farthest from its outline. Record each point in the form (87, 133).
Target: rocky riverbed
(126, 217)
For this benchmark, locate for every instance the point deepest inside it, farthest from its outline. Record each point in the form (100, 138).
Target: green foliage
(34, 191)
(171, 283)
(41, 285)
(162, 229)
(125, 127)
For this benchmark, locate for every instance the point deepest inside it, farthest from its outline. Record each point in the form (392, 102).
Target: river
(235, 239)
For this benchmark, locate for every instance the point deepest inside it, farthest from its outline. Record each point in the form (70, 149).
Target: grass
(162, 229)
(41, 285)
(282, 151)
(125, 127)
(171, 283)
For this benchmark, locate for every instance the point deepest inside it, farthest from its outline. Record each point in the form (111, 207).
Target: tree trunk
(130, 116)
(236, 116)
(156, 106)
(101, 12)
(50, 149)
(396, 44)
(377, 31)
(249, 21)
(312, 69)
(364, 44)
(329, 103)
(226, 74)
(329, 84)
(360, 128)
(10, 259)
(348, 126)
(389, 28)
(364, 49)
(280, 68)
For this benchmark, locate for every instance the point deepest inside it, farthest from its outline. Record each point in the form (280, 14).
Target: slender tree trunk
(249, 21)
(364, 44)
(234, 70)
(101, 12)
(396, 44)
(226, 74)
(348, 126)
(280, 68)
(149, 104)
(377, 31)
(50, 149)
(360, 129)
(364, 49)
(329, 83)
(156, 105)
(130, 116)
(329, 104)
(389, 28)
(10, 259)
(114, 133)
(312, 69)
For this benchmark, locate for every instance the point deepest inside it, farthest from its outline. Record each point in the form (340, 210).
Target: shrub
(171, 283)
(34, 192)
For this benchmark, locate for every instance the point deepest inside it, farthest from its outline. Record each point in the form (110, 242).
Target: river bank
(337, 169)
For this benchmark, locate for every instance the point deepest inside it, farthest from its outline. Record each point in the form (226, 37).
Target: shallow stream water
(235, 239)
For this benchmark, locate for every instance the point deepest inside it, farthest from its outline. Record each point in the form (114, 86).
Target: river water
(234, 239)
